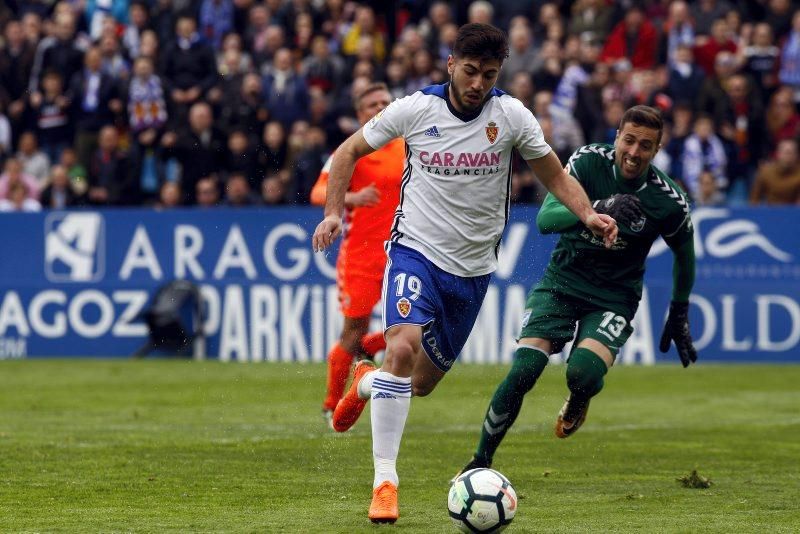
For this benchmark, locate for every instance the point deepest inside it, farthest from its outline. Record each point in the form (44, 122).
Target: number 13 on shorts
(612, 325)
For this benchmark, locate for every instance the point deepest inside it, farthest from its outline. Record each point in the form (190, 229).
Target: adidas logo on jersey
(433, 131)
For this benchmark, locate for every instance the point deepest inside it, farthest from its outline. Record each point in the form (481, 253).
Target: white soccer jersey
(454, 198)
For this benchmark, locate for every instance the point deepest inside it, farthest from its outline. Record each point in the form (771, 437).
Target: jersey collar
(465, 117)
(634, 185)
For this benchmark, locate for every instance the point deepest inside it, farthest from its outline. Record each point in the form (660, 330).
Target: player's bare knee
(421, 387)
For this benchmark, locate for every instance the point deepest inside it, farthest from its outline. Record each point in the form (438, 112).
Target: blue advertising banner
(75, 284)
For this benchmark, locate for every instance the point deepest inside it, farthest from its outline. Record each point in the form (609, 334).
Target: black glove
(677, 330)
(625, 209)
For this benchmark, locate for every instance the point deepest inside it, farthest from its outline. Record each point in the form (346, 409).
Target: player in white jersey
(454, 205)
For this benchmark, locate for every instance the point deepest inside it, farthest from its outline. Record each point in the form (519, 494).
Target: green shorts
(551, 314)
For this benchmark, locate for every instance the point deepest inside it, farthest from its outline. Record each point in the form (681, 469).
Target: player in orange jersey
(370, 205)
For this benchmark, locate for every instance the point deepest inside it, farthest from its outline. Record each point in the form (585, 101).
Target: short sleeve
(530, 138)
(579, 163)
(677, 224)
(389, 124)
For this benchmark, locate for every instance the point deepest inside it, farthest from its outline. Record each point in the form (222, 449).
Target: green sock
(585, 372)
(507, 400)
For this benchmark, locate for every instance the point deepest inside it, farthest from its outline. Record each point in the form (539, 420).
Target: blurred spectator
(59, 52)
(712, 94)
(741, 122)
(678, 32)
(34, 161)
(779, 16)
(233, 59)
(247, 111)
(237, 191)
(789, 73)
(5, 135)
(50, 109)
(704, 150)
(78, 176)
(778, 181)
(423, 72)
(708, 192)
(149, 46)
(207, 192)
(147, 109)
(321, 69)
(216, 20)
(783, 121)
(138, 22)
(548, 76)
(589, 103)
(110, 176)
(285, 92)
(480, 11)
(272, 154)
(548, 15)
(95, 99)
(708, 49)
(591, 19)
(364, 25)
(566, 135)
(522, 89)
(59, 193)
(576, 74)
(685, 77)
(522, 56)
(439, 15)
(169, 195)
(761, 60)
(188, 66)
(16, 64)
(241, 156)
(114, 63)
(200, 149)
(32, 27)
(606, 131)
(13, 174)
(705, 12)
(634, 38)
(18, 199)
(273, 191)
(307, 167)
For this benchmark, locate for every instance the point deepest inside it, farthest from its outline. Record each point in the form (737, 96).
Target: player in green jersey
(595, 287)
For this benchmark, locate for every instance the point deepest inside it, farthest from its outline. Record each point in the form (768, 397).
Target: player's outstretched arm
(338, 182)
(571, 194)
(554, 217)
(676, 328)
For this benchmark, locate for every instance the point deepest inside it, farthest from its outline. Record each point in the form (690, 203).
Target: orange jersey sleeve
(320, 189)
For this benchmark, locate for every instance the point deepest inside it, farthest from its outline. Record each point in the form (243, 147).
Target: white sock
(391, 400)
(365, 384)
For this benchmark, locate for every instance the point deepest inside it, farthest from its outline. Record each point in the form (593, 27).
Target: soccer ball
(481, 500)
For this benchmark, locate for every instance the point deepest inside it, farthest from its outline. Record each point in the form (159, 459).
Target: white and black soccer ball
(481, 500)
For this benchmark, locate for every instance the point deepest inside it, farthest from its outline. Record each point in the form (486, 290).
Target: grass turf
(148, 446)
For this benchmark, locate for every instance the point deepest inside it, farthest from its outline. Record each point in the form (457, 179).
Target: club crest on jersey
(491, 132)
(404, 307)
(638, 225)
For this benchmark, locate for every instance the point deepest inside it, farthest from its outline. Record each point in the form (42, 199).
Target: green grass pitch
(153, 446)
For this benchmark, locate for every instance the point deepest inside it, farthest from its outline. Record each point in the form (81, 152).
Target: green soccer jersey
(582, 266)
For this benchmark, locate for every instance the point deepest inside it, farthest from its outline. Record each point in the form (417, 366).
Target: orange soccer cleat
(349, 408)
(570, 418)
(384, 508)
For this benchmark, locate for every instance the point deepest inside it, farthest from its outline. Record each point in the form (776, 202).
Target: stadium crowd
(240, 102)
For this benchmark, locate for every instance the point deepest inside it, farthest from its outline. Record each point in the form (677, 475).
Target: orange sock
(339, 361)
(373, 343)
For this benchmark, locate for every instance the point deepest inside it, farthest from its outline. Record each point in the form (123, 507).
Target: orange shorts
(358, 294)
